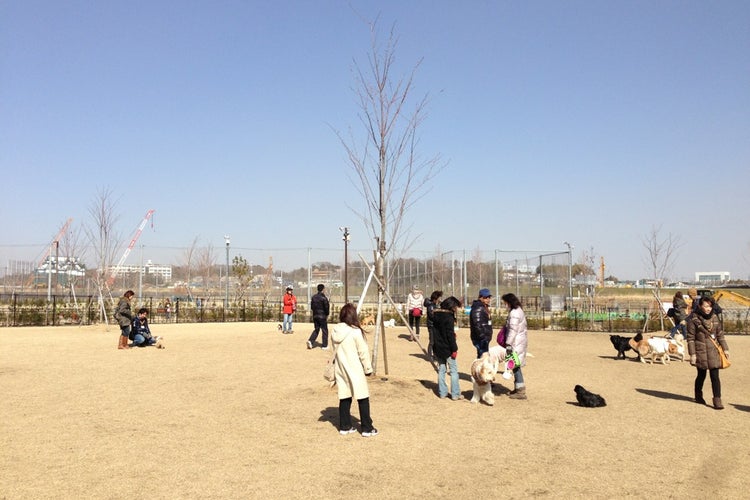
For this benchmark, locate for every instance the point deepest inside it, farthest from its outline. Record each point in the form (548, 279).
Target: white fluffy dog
(483, 372)
(391, 323)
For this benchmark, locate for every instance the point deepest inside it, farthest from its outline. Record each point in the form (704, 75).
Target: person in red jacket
(290, 306)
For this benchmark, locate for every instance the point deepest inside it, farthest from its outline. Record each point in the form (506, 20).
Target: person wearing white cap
(290, 306)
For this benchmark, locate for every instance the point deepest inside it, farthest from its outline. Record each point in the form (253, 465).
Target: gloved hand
(454, 354)
(508, 350)
(693, 359)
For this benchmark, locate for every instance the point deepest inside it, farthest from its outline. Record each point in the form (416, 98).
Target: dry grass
(242, 411)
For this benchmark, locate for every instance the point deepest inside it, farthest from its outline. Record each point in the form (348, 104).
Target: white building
(149, 269)
(712, 278)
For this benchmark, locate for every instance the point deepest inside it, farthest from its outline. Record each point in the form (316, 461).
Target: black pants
(345, 416)
(715, 382)
(320, 324)
(414, 323)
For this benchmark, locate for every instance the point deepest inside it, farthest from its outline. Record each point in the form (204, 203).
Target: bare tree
(71, 247)
(588, 257)
(660, 254)
(388, 171)
(206, 261)
(189, 258)
(241, 270)
(104, 241)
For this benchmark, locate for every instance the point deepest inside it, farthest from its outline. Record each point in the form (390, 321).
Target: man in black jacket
(480, 322)
(320, 309)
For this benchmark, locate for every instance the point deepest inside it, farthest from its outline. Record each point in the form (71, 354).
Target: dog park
(237, 410)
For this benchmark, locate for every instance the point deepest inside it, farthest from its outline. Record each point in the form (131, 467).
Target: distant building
(712, 278)
(61, 270)
(164, 273)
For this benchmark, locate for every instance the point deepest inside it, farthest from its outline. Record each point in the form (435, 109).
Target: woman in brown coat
(702, 326)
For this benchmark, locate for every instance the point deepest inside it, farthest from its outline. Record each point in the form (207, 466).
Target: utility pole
(345, 230)
(226, 277)
(570, 269)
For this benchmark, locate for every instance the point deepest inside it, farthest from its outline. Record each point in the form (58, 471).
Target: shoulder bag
(725, 363)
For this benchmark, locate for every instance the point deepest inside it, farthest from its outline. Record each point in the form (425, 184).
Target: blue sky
(580, 121)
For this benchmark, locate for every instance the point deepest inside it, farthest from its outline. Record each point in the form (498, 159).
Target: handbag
(416, 312)
(725, 363)
(501, 336)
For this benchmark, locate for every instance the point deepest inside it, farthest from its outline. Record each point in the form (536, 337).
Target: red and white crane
(55, 241)
(48, 251)
(137, 235)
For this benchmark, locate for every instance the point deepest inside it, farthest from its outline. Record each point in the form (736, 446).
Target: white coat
(352, 362)
(517, 333)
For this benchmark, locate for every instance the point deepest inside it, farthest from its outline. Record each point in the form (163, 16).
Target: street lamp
(226, 293)
(345, 230)
(570, 268)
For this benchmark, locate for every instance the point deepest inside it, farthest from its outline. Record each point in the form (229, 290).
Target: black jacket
(479, 321)
(430, 307)
(319, 305)
(444, 341)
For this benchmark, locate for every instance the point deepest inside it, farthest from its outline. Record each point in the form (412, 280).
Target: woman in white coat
(516, 340)
(352, 367)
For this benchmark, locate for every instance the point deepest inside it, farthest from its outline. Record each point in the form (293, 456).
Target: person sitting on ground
(141, 333)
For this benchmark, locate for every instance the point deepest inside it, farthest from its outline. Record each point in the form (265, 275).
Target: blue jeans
(518, 378)
(482, 346)
(140, 341)
(678, 328)
(442, 386)
(287, 324)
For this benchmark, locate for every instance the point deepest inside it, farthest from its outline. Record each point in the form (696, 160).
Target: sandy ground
(242, 411)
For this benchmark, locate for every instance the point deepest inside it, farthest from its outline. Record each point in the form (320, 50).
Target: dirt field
(242, 411)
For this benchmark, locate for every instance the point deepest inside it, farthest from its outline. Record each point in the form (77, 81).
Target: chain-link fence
(600, 314)
(215, 288)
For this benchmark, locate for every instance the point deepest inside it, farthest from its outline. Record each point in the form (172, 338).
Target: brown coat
(699, 343)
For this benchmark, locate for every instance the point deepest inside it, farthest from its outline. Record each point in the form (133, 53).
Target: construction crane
(48, 251)
(137, 235)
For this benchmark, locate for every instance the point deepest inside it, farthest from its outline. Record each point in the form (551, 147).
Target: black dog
(588, 399)
(621, 344)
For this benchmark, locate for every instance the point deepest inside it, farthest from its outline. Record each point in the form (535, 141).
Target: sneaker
(459, 398)
(309, 345)
(344, 432)
(324, 348)
(373, 432)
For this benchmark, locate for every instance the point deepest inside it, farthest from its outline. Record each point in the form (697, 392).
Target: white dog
(658, 347)
(391, 323)
(677, 347)
(483, 372)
